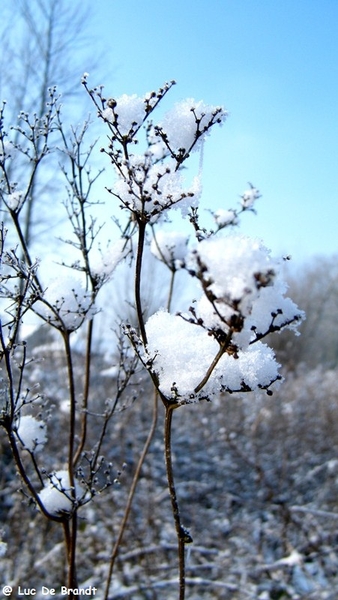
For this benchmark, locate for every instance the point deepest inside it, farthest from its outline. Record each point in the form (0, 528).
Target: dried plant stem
(72, 398)
(72, 524)
(69, 531)
(183, 536)
(72, 577)
(171, 288)
(138, 271)
(131, 494)
(84, 414)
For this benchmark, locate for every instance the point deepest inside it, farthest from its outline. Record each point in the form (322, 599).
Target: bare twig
(131, 495)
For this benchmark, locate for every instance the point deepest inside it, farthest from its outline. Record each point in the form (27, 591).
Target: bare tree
(43, 43)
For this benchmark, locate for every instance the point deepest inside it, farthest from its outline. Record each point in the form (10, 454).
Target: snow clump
(249, 197)
(182, 353)
(225, 217)
(57, 495)
(126, 113)
(244, 289)
(210, 349)
(188, 122)
(31, 433)
(14, 200)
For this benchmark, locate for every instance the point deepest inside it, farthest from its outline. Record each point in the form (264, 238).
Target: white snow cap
(57, 495)
(183, 352)
(249, 197)
(31, 433)
(244, 280)
(128, 113)
(14, 200)
(180, 127)
(225, 217)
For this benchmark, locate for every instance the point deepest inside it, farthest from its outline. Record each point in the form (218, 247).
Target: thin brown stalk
(138, 271)
(183, 536)
(71, 550)
(72, 576)
(72, 398)
(84, 414)
(171, 288)
(132, 490)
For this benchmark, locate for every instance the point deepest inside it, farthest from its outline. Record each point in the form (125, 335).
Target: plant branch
(138, 271)
(131, 494)
(84, 414)
(183, 536)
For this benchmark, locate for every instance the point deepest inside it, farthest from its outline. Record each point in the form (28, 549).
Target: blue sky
(274, 66)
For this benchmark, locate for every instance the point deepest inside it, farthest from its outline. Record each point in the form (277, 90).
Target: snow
(182, 353)
(57, 495)
(241, 279)
(170, 247)
(225, 217)
(179, 124)
(243, 296)
(7, 149)
(31, 433)
(66, 304)
(127, 114)
(211, 348)
(249, 197)
(232, 263)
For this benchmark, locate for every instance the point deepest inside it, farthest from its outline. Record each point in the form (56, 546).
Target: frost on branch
(210, 349)
(104, 266)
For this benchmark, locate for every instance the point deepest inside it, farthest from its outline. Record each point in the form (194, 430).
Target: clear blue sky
(274, 65)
